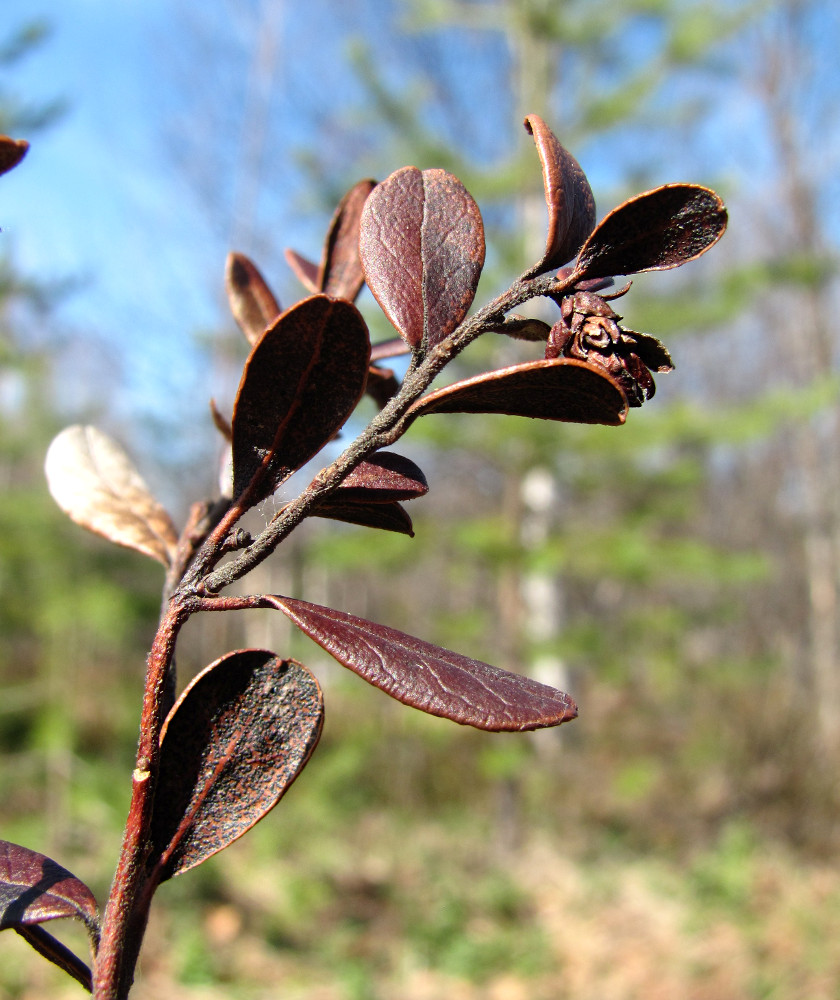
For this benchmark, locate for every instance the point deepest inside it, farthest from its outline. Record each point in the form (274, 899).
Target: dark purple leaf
(251, 300)
(300, 383)
(422, 247)
(656, 230)
(435, 680)
(561, 389)
(385, 516)
(33, 888)
(384, 477)
(235, 741)
(568, 196)
(12, 151)
(307, 273)
(341, 273)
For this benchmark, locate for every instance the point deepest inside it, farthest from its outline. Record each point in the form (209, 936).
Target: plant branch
(385, 428)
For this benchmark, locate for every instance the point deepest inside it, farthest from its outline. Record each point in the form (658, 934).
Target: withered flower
(589, 330)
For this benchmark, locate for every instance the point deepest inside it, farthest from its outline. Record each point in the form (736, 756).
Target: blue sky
(103, 195)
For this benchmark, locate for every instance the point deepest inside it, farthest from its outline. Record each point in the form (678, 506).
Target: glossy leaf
(433, 679)
(656, 230)
(12, 151)
(33, 889)
(385, 516)
(95, 482)
(301, 382)
(384, 477)
(251, 300)
(341, 273)
(422, 248)
(235, 741)
(568, 196)
(561, 389)
(307, 273)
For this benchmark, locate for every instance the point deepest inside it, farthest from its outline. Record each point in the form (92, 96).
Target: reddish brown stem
(128, 904)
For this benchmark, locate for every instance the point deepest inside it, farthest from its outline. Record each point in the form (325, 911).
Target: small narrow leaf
(568, 196)
(524, 328)
(422, 248)
(300, 383)
(307, 273)
(385, 516)
(235, 741)
(94, 482)
(252, 302)
(33, 889)
(393, 348)
(427, 677)
(54, 951)
(12, 151)
(654, 231)
(384, 477)
(560, 389)
(382, 385)
(341, 273)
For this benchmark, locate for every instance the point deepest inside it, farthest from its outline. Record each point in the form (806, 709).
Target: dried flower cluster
(212, 764)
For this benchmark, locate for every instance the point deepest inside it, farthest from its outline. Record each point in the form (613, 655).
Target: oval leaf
(307, 273)
(341, 271)
(301, 382)
(384, 477)
(33, 889)
(568, 196)
(385, 516)
(435, 680)
(251, 300)
(235, 741)
(422, 248)
(654, 231)
(12, 151)
(93, 481)
(558, 389)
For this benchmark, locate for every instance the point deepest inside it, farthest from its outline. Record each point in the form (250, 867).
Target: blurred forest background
(680, 576)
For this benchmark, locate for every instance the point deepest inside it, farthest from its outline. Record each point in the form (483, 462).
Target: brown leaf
(549, 390)
(422, 247)
(385, 516)
(393, 348)
(568, 196)
(251, 300)
(301, 382)
(33, 889)
(656, 230)
(524, 328)
(307, 273)
(435, 680)
(93, 481)
(341, 273)
(12, 151)
(382, 385)
(235, 741)
(384, 477)
(220, 421)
